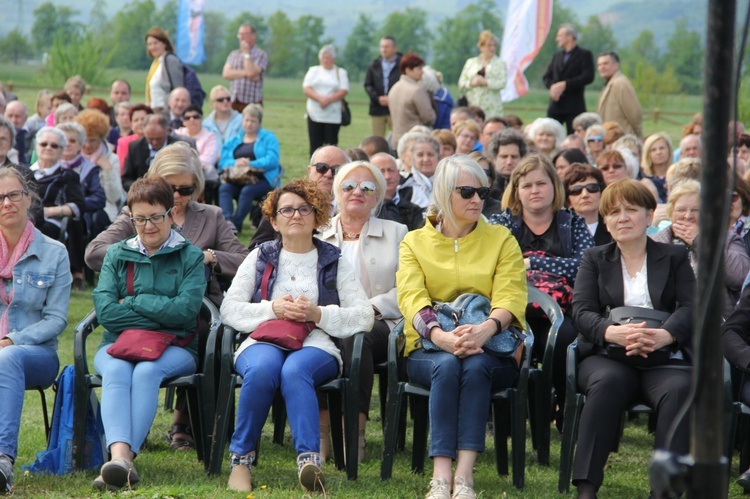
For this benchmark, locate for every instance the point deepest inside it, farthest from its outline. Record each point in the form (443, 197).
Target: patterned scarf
(7, 262)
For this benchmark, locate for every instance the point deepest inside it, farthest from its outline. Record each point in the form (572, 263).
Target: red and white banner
(526, 28)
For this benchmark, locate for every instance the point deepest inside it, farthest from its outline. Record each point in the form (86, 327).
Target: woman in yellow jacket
(458, 252)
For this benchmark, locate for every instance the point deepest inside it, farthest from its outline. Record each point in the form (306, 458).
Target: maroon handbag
(286, 334)
(136, 345)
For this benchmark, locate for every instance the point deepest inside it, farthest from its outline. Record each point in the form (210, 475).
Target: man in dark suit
(141, 152)
(381, 75)
(567, 76)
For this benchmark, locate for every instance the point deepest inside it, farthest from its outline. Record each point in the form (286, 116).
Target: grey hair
(64, 108)
(74, 127)
(548, 125)
(5, 123)
(569, 29)
(445, 181)
(505, 137)
(255, 111)
(330, 49)
(404, 141)
(585, 120)
(350, 167)
(158, 119)
(52, 130)
(126, 104)
(425, 139)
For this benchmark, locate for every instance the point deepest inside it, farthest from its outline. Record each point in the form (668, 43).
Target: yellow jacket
(433, 267)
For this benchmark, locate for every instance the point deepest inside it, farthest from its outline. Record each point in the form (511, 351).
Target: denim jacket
(41, 283)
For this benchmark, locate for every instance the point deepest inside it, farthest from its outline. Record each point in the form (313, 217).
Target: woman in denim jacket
(34, 300)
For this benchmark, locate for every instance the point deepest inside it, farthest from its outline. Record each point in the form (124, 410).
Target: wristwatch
(214, 262)
(246, 56)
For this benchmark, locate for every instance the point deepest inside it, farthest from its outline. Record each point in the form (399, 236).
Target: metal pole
(710, 473)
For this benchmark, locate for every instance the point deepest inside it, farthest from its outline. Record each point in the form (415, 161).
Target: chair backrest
(555, 314)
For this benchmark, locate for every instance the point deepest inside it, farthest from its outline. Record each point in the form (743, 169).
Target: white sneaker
(461, 490)
(439, 489)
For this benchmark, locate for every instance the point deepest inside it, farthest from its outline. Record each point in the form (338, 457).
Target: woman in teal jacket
(254, 147)
(168, 285)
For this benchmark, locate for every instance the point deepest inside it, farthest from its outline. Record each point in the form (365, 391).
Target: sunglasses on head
(578, 189)
(184, 190)
(611, 166)
(323, 168)
(189, 117)
(223, 99)
(365, 186)
(468, 192)
(53, 145)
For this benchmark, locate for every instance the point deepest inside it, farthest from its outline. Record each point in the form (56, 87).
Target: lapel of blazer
(611, 270)
(657, 267)
(193, 225)
(605, 92)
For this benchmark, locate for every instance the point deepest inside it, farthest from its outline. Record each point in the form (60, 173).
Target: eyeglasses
(365, 186)
(191, 117)
(223, 99)
(288, 211)
(468, 192)
(53, 145)
(578, 189)
(596, 138)
(611, 166)
(323, 168)
(184, 190)
(14, 196)
(154, 219)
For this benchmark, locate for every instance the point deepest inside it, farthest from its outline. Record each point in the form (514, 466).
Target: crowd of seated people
(388, 228)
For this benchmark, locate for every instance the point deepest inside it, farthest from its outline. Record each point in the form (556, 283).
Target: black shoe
(744, 480)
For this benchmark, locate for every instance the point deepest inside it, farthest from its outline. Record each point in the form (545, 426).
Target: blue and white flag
(190, 32)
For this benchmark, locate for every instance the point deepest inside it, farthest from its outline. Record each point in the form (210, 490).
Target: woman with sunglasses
(58, 187)
(201, 224)
(458, 252)
(553, 240)
(302, 279)
(595, 142)
(207, 144)
(584, 185)
(153, 280)
(370, 245)
(34, 301)
(223, 120)
(257, 148)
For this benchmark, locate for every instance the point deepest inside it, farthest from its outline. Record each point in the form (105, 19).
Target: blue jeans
(265, 368)
(245, 195)
(460, 391)
(21, 367)
(130, 392)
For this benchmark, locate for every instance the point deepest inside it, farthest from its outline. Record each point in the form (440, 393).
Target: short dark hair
(194, 108)
(158, 119)
(120, 80)
(572, 155)
(378, 144)
(357, 154)
(410, 60)
(478, 112)
(495, 119)
(612, 55)
(151, 190)
(61, 96)
(390, 39)
(628, 190)
(506, 137)
(579, 172)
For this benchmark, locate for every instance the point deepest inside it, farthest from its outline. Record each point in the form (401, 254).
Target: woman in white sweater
(302, 280)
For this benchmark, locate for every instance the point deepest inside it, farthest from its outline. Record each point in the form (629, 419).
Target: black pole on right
(709, 475)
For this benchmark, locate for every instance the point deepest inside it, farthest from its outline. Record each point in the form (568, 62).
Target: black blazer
(736, 331)
(577, 73)
(374, 84)
(602, 235)
(137, 162)
(599, 287)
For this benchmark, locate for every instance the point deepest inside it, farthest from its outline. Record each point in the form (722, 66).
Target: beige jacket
(618, 102)
(410, 105)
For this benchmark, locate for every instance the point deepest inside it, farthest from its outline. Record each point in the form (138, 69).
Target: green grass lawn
(168, 474)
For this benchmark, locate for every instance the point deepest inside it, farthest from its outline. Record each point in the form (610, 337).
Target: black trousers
(564, 118)
(322, 134)
(611, 388)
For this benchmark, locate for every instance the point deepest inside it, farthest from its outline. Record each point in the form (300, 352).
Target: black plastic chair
(342, 394)
(540, 377)
(508, 409)
(201, 399)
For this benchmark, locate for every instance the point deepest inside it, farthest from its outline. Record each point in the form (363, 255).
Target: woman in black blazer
(636, 272)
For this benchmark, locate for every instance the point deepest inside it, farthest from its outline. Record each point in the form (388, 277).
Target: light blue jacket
(41, 284)
(266, 154)
(233, 127)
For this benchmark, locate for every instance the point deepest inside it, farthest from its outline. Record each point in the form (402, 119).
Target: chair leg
(391, 425)
(744, 443)
(45, 415)
(567, 446)
(197, 420)
(542, 392)
(337, 430)
(421, 428)
(279, 419)
(533, 411)
(501, 423)
(221, 424)
(518, 437)
(169, 397)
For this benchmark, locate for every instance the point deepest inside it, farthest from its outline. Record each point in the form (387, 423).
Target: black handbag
(346, 113)
(653, 319)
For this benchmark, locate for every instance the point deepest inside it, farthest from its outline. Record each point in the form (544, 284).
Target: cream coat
(618, 102)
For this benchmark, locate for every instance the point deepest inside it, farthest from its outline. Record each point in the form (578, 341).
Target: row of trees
(292, 44)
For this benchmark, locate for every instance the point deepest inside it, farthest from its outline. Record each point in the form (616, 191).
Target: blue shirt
(387, 67)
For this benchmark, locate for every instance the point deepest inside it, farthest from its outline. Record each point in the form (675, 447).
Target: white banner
(526, 28)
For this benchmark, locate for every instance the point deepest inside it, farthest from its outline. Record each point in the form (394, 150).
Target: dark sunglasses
(184, 190)
(223, 99)
(323, 168)
(189, 117)
(578, 189)
(468, 192)
(53, 145)
(612, 166)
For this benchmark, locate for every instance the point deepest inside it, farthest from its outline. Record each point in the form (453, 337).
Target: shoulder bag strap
(264, 281)
(130, 278)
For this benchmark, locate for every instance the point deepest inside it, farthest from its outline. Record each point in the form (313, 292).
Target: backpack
(191, 83)
(58, 458)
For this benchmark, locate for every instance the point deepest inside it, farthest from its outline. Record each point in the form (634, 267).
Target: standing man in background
(618, 101)
(567, 76)
(245, 68)
(382, 74)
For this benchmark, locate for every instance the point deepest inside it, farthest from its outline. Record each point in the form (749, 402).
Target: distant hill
(627, 18)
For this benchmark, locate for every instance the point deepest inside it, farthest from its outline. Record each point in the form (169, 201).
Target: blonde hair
(684, 188)
(470, 125)
(445, 181)
(528, 164)
(684, 169)
(178, 159)
(646, 163)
